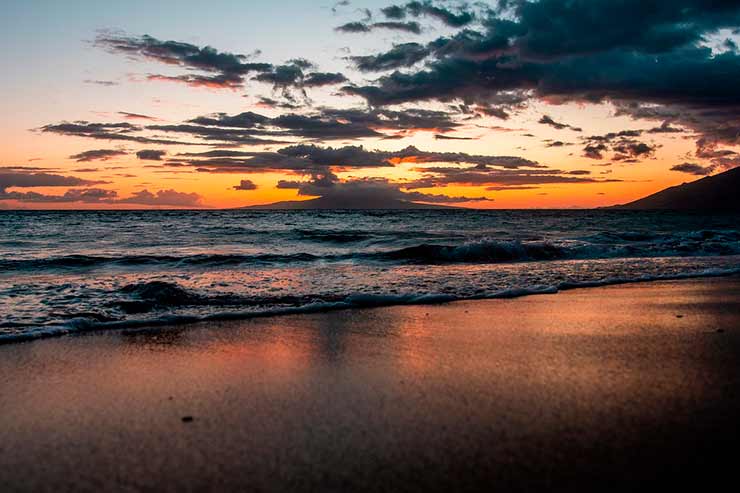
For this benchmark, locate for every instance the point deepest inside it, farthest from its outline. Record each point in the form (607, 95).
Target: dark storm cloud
(320, 79)
(217, 134)
(217, 153)
(362, 27)
(320, 124)
(547, 120)
(225, 70)
(293, 76)
(274, 103)
(303, 159)
(401, 55)
(354, 27)
(150, 155)
(555, 28)
(623, 144)
(626, 52)
(98, 155)
(245, 185)
(716, 126)
(394, 12)
(458, 18)
(631, 149)
(105, 131)
(693, 169)
(409, 27)
(282, 76)
(247, 119)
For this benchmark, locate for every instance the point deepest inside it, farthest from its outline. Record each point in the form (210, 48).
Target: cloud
(368, 192)
(693, 169)
(320, 124)
(547, 120)
(106, 83)
(354, 27)
(665, 128)
(135, 116)
(273, 103)
(363, 27)
(595, 151)
(458, 18)
(394, 12)
(109, 197)
(150, 155)
(627, 52)
(306, 159)
(451, 137)
(86, 195)
(623, 144)
(320, 79)
(401, 55)
(222, 69)
(21, 179)
(106, 131)
(245, 185)
(340, 3)
(164, 198)
(98, 155)
(13, 178)
(492, 177)
(293, 77)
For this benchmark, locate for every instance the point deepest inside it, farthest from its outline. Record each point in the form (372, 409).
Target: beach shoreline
(630, 385)
(356, 302)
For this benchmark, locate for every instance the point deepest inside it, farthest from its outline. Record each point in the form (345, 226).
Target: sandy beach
(592, 389)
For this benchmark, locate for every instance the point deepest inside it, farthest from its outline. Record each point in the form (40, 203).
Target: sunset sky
(220, 104)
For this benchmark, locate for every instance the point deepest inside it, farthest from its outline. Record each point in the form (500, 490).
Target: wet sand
(633, 386)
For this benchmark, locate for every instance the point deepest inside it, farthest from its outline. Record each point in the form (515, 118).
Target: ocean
(65, 272)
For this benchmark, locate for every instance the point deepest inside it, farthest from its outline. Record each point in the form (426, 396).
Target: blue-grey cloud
(98, 155)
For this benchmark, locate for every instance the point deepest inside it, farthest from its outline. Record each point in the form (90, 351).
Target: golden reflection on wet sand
(552, 388)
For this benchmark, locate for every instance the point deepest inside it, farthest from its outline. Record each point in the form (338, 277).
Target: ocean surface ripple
(62, 272)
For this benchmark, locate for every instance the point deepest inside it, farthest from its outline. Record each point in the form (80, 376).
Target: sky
(498, 104)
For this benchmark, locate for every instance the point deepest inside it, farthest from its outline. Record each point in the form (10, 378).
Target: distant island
(328, 203)
(718, 192)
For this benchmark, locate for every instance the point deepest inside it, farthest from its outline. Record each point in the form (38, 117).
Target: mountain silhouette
(718, 192)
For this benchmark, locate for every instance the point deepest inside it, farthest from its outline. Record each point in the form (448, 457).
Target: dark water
(67, 271)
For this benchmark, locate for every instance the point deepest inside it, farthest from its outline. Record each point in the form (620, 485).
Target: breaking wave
(164, 294)
(600, 246)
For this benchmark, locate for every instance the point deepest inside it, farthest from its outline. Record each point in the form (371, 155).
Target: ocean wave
(163, 293)
(71, 262)
(477, 250)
